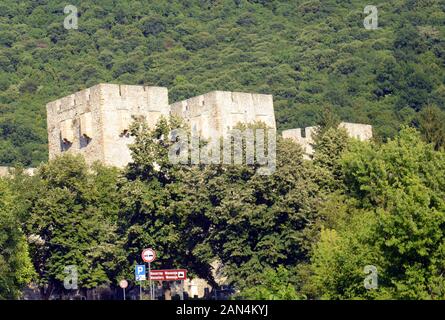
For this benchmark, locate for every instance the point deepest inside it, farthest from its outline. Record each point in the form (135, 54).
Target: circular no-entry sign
(148, 255)
(123, 284)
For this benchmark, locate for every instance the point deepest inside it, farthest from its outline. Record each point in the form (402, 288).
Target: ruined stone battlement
(360, 131)
(216, 112)
(305, 141)
(95, 121)
(113, 96)
(9, 171)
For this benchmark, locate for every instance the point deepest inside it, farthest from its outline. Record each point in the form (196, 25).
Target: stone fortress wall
(359, 131)
(8, 171)
(95, 122)
(213, 114)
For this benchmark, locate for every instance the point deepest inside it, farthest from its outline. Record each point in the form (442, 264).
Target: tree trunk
(46, 294)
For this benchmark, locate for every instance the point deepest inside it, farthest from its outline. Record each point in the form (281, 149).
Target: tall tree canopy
(16, 269)
(73, 222)
(391, 214)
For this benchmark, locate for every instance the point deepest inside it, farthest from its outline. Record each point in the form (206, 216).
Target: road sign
(168, 275)
(123, 284)
(139, 272)
(148, 255)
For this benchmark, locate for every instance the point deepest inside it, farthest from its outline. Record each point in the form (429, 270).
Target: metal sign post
(149, 255)
(170, 275)
(149, 280)
(123, 284)
(181, 296)
(140, 276)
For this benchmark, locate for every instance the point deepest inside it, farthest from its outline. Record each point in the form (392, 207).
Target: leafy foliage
(16, 269)
(308, 54)
(198, 214)
(273, 285)
(260, 221)
(393, 218)
(307, 230)
(431, 123)
(159, 206)
(72, 222)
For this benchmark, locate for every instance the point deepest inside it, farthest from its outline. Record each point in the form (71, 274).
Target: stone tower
(94, 122)
(213, 114)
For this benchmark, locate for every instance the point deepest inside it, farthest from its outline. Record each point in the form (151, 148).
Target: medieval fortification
(95, 122)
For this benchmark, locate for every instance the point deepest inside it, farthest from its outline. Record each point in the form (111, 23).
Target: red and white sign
(168, 275)
(123, 284)
(148, 255)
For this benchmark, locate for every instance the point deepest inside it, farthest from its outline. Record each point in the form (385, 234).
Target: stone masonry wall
(8, 171)
(359, 131)
(94, 122)
(215, 113)
(305, 142)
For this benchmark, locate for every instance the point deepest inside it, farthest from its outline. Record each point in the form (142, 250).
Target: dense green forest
(307, 53)
(308, 231)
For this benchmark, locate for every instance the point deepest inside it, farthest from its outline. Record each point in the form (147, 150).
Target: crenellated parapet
(215, 113)
(9, 171)
(95, 121)
(360, 131)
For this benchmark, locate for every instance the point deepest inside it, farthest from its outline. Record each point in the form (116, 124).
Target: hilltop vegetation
(307, 53)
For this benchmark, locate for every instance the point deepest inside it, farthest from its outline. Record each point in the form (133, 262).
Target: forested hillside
(308, 54)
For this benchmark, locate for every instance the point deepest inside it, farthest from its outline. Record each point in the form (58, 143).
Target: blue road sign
(139, 272)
